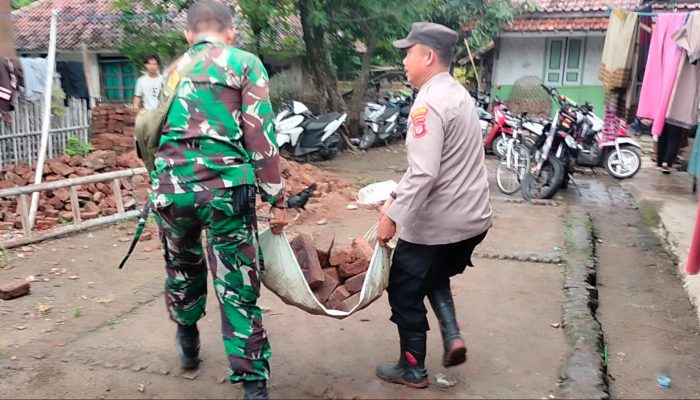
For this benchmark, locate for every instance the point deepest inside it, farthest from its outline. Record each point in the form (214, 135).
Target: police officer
(442, 204)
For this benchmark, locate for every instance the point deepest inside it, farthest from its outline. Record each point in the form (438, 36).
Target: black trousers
(669, 144)
(417, 270)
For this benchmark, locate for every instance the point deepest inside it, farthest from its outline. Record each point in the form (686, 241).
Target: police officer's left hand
(386, 230)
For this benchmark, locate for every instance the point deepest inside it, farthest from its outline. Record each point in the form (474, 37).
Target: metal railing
(23, 192)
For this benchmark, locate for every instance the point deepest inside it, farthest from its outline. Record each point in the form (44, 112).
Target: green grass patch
(650, 215)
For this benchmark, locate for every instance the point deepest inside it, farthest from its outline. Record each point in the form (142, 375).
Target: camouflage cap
(429, 34)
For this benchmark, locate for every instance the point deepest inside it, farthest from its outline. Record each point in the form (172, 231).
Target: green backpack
(149, 123)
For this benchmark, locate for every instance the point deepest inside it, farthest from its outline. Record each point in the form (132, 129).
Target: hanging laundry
(694, 163)
(683, 107)
(692, 266)
(644, 40)
(618, 51)
(73, 79)
(34, 78)
(661, 70)
(10, 80)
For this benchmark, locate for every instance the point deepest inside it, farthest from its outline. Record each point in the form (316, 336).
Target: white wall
(523, 56)
(518, 57)
(594, 54)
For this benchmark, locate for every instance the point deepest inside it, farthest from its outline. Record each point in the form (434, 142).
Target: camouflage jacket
(219, 133)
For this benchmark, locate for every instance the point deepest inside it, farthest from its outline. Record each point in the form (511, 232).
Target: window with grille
(118, 78)
(564, 63)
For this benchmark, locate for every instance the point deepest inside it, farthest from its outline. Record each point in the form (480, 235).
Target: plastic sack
(283, 275)
(376, 192)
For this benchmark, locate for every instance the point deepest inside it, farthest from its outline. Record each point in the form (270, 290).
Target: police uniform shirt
(444, 195)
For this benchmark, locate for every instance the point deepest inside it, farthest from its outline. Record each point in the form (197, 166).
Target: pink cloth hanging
(662, 68)
(692, 267)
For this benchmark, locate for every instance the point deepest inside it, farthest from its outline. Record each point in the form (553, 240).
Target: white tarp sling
(284, 277)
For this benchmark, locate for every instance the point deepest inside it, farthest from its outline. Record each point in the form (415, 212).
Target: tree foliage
(17, 4)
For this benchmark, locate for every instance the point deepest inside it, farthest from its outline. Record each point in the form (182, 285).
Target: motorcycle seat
(321, 121)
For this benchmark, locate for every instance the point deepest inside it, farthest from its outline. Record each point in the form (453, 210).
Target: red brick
(100, 159)
(109, 211)
(98, 197)
(340, 256)
(64, 158)
(362, 249)
(354, 284)
(56, 203)
(53, 178)
(103, 188)
(66, 216)
(6, 226)
(91, 207)
(76, 161)
(146, 236)
(305, 252)
(6, 185)
(84, 195)
(89, 215)
(63, 194)
(14, 289)
(324, 258)
(330, 283)
(126, 183)
(60, 168)
(16, 179)
(22, 169)
(347, 270)
(349, 303)
(45, 224)
(81, 171)
(337, 297)
(52, 213)
(332, 272)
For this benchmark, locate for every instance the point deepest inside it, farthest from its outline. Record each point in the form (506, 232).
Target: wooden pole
(7, 40)
(46, 118)
(476, 72)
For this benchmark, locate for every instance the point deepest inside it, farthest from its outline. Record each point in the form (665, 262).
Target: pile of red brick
(55, 205)
(335, 275)
(113, 128)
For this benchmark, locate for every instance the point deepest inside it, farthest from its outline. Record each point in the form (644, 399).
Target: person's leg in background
(669, 151)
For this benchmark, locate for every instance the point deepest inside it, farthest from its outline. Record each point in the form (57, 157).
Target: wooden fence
(20, 137)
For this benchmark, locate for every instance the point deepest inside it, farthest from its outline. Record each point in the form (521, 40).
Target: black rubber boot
(444, 308)
(255, 390)
(410, 369)
(187, 345)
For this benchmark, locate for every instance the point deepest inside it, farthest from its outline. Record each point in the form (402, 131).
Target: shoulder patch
(418, 119)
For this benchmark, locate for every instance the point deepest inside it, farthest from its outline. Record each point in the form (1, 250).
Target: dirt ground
(93, 331)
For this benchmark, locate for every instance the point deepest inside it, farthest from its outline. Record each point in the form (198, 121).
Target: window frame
(565, 57)
(123, 72)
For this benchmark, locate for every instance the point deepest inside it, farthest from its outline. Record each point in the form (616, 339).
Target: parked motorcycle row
(539, 157)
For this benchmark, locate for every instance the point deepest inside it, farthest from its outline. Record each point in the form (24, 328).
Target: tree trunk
(359, 88)
(7, 41)
(318, 59)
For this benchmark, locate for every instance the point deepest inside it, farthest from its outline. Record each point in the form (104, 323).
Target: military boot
(187, 346)
(255, 390)
(410, 369)
(444, 307)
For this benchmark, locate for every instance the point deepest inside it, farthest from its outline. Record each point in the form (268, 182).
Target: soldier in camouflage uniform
(217, 147)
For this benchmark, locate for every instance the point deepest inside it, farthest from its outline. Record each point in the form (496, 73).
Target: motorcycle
(619, 155)
(383, 121)
(300, 134)
(504, 124)
(576, 139)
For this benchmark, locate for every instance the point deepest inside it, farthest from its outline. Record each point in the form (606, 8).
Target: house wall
(519, 56)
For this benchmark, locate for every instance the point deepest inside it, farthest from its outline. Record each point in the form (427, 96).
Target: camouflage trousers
(228, 216)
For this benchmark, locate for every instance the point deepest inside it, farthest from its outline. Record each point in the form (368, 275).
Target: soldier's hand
(278, 220)
(385, 231)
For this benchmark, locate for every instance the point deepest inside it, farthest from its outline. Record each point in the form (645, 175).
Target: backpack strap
(175, 76)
